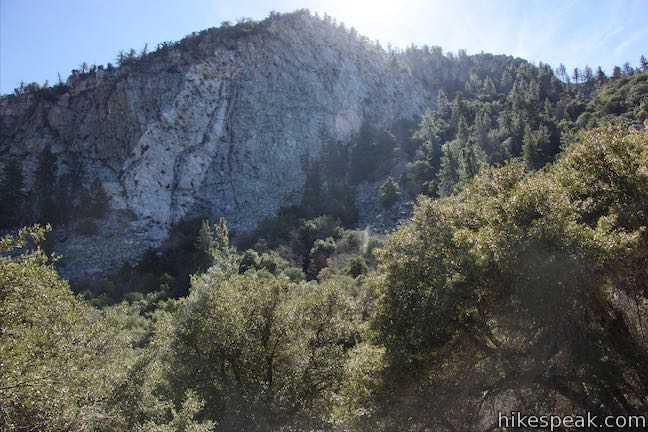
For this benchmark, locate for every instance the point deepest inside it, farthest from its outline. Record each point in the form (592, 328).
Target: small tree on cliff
(389, 192)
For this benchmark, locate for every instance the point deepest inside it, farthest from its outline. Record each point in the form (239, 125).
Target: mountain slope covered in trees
(525, 291)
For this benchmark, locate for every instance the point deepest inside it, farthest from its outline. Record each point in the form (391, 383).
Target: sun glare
(366, 15)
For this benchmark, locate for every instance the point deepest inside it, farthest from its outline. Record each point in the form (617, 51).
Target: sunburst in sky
(40, 39)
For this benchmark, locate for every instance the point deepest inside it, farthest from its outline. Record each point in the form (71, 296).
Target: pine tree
(489, 87)
(535, 146)
(518, 123)
(473, 84)
(561, 72)
(449, 173)
(483, 127)
(462, 129)
(601, 77)
(132, 55)
(389, 192)
(205, 245)
(224, 257)
(588, 74)
(643, 63)
(517, 97)
(458, 109)
(469, 162)
(507, 79)
(547, 109)
(432, 132)
(616, 72)
(222, 236)
(443, 108)
(576, 75)
(530, 149)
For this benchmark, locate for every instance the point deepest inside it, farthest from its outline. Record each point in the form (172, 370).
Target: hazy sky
(39, 39)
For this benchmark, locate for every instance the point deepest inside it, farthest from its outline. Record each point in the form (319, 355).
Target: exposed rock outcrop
(217, 125)
(221, 123)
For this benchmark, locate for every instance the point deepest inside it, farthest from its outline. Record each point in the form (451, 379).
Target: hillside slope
(220, 124)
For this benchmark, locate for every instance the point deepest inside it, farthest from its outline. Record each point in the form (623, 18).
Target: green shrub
(389, 192)
(356, 266)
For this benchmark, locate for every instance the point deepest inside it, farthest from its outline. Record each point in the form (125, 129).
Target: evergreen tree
(459, 110)
(489, 87)
(120, 59)
(432, 132)
(205, 245)
(517, 96)
(518, 123)
(561, 72)
(462, 129)
(221, 236)
(616, 72)
(535, 146)
(469, 162)
(577, 76)
(132, 55)
(588, 74)
(547, 110)
(473, 84)
(449, 173)
(643, 63)
(443, 108)
(214, 247)
(389, 192)
(601, 77)
(507, 79)
(483, 127)
(530, 149)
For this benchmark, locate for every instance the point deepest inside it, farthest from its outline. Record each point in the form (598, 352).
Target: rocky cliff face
(220, 124)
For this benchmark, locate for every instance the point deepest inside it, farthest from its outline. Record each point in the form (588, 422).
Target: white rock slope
(219, 124)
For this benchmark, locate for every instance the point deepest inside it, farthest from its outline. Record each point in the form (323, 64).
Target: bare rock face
(220, 124)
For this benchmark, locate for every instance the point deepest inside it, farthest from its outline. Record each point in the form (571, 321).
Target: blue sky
(39, 39)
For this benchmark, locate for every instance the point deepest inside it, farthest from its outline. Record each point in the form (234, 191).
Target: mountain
(220, 124)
